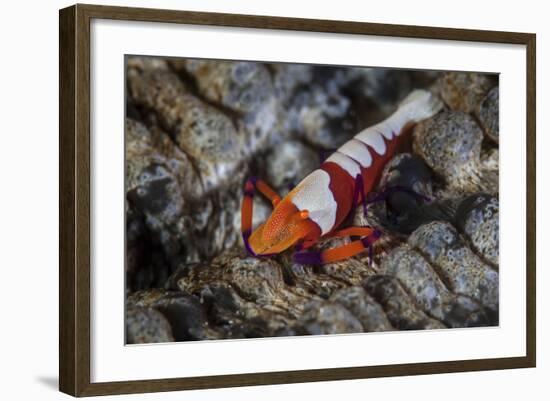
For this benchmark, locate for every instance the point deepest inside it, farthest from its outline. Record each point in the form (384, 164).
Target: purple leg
(359, 191)
(369, 241)
(308, 258)
(246, 235)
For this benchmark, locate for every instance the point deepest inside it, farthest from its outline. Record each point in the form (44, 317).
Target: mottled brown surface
(464, 91)
(487, 113)
(196, 128)
(451, 144)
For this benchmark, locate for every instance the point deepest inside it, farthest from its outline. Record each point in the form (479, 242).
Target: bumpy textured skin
(478, 218)
(369, 313)
(463, 270)
(426, 287)
(464, 91)
(313, 118)
(487, 113)
(401, 310)
(145, 325)
(451, 145)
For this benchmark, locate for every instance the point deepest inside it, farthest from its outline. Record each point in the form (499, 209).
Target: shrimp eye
(304, 214)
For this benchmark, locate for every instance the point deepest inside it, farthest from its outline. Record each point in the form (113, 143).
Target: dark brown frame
(74, 203)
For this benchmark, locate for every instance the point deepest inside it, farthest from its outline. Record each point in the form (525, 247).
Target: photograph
(251, 199)
(270, 199)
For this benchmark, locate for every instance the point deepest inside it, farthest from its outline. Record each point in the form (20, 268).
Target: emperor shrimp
(319, 205)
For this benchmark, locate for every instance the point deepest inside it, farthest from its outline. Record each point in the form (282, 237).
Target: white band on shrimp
(314, 195)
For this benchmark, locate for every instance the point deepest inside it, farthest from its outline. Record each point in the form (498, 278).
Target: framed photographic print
(251, 200)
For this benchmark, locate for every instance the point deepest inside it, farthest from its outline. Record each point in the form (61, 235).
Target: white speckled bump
(314, 195)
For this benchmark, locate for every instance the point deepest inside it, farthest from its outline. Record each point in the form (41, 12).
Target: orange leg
(306, 244)
(247, 206)
(268, 192)
(341, 252)
(351, 232)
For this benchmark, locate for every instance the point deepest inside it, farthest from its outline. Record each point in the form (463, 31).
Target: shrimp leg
(247, 206)
(340, 252)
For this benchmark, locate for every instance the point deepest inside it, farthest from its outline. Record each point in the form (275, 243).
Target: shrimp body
(320, 203)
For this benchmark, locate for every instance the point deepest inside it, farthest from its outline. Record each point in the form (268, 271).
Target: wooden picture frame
(74, 205)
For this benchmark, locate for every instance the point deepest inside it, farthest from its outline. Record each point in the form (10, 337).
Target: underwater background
(196, 129)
